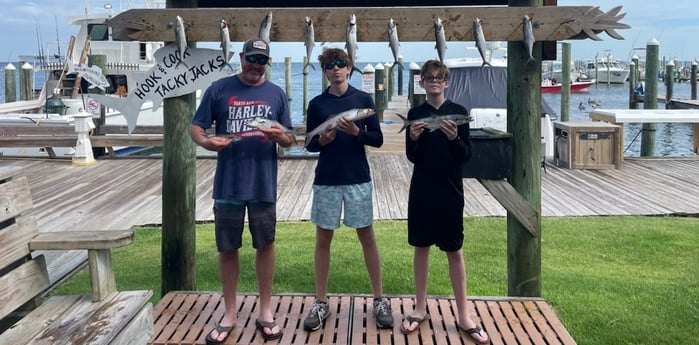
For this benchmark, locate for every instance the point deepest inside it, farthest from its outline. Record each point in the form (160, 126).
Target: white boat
(606, 70)
(483, 90)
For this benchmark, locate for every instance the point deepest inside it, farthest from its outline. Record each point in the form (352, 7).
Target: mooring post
(669, 84)
(380, 89)
(633, 77)
(305, 90)
(565, 81)
(10, 83)
(400, 76)
(416, 94)
(693, 80)
(26, 84)
(650, 96)
(287, 78)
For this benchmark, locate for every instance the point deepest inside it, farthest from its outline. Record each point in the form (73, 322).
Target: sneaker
(382, 310)
(319, 312)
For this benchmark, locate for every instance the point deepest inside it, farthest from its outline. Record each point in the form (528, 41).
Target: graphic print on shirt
(241, 110)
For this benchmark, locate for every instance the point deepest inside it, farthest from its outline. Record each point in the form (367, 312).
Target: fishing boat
(483, 90)
(553, 86)
(607, 70)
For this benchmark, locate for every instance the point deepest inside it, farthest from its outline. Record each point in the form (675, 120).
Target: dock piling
(10, 83)
(650, 96)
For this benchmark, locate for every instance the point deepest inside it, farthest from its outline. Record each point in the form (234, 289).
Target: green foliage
(612, 280)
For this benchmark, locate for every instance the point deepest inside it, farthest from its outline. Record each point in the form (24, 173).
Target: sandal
(412, 319)
(219, 329)
(261, 325)
(476, 330)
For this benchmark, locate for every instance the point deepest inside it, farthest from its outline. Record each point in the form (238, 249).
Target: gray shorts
(329, 202)
(229, 221)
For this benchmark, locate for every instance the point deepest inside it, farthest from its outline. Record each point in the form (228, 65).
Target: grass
(612, 280)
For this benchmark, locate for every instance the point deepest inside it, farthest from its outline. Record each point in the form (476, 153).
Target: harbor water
(672, 139)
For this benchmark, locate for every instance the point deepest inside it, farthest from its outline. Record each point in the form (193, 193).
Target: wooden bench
(104, 317)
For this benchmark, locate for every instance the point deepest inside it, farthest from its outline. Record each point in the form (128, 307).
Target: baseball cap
(256, 46)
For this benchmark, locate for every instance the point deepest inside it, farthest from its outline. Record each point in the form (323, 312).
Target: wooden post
(633, 77)
(10, 83)
(650, 96)
(669, 84)
(524, 122)
(565, 82)
(287, 77)
(178, 247)
(380, 89)
(693, 80)
(389, 81)
(26, 86)
(416, 94)
(101, 62)
(400, 76)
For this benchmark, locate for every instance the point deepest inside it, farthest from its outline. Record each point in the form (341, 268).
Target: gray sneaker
(382, 310)
(319, 312)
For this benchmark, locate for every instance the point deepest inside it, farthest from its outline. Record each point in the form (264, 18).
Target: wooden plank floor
(186, 317)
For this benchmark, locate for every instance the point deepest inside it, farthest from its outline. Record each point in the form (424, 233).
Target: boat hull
(580, 86)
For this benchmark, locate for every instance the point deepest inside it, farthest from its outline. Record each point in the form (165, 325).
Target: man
(436, 197)
(343, 180)
(246, 177)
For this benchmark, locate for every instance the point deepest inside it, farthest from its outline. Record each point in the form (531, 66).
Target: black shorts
(444, 228)
(229, 221)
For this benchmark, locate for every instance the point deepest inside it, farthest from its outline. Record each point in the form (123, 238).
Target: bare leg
(264, 267)
(228, 270)
(371, 259)
(322, 262)
(457, 274)
(421, 270)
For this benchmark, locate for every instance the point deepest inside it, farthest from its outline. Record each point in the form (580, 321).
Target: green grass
(611, 280)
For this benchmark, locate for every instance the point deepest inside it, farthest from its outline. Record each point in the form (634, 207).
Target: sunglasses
(338, 63)
(260, 59)
(434, 79)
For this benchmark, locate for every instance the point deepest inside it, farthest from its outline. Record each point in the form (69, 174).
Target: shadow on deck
(186, 317)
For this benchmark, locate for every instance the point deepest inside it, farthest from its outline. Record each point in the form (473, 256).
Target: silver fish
(225, 41)
(93, 75)
(309, 42)
(351, 42)
(440, 39)
(263, 122)
(434, 120)
(233, 137)
(393, 42)
(479, 37)
(528, 36)
(181, 40)
(352, 115)
(265, 27)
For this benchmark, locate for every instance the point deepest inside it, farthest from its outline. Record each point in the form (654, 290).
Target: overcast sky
(674, 24)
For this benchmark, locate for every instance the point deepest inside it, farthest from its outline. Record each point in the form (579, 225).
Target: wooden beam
(415, 23)
(514, 203)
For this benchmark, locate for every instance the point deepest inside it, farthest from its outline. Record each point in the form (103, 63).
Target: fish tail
(405, 122)
(486, 63)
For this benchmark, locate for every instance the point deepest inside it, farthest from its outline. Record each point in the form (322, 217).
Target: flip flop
(476, 330)
(220, 329)
(268, 324)
(412, 319)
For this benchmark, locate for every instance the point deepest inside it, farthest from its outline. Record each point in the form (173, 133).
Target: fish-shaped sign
(93, 75)
(170, 77)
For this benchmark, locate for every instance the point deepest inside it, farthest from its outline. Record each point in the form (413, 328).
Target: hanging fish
(309, 42)
(479, 38)
(181, 40)
(528, 36)
(351, 42)
(440, 39)
(225, 41)
(265, 27)
(393, 42)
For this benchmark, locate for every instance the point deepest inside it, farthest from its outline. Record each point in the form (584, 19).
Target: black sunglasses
(338, 63)
(260, 59)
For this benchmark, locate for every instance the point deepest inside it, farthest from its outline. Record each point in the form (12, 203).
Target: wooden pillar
(10, 83)
(101, 62)
(305, 90)
(380, 89)
(669, 84)
(650, 96)
(400, 76)
(524, 122)
(287, 77)
(633, 81)
(565, 82)
(178, 246)
(26, 82)
(693, 80)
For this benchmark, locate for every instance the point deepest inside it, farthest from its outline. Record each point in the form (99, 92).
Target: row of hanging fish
(351, 39)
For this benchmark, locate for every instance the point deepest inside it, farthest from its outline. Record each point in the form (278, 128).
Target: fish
(263, 122)
(433, 121)
(165, 80)
(309, 42)
(528, 36)
(232, 136)
(265, 27)
(352, 115)
(351, 43)
(393, 42)
(440, 39)
(225, 41)
(181, 40)
(93, 75)
(479, 38)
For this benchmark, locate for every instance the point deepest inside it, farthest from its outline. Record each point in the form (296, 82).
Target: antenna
(58, 40)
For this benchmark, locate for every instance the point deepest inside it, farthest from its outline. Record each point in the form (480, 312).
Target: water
(673, 139)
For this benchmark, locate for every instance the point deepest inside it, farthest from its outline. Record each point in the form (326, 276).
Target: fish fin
(405, 122)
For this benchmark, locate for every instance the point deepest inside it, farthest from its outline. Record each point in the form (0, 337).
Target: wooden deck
(185, 318)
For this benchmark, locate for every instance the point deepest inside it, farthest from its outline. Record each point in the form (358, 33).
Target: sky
(670, 24)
